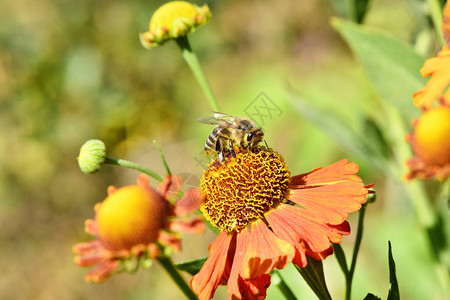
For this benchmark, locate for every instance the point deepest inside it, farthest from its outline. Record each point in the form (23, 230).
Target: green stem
(132, 165)
(163, 158)
(436, 16)
(167, 263)
(359, 234)
(191, 59)
(282, 286)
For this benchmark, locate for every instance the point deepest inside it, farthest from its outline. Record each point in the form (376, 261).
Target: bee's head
(254, 137)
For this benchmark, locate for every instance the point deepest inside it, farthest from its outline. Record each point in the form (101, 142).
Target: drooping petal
(190, 201)
(216, 268)
(258, 252)
(254, 288)
(194, 225)
(170, 185)
(102, 271)
(337, 172)
(438, 68)
(307, 233)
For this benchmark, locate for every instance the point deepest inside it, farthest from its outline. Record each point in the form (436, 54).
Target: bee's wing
(210, 120)
(218, 118)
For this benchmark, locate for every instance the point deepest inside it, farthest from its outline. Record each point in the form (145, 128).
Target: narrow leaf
(314, 277)
(192, 266)
(391, 65)
(371, 297)
(361, 8)
(394, 293)
(340, 256)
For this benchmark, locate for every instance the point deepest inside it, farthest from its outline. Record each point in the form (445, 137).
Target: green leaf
(192, 266)
(314, 277)
(340, 256)
(391, 65)
(371, 297)
(361, 7)
(394, 293)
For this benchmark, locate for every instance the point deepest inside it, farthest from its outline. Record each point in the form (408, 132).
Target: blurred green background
(75, 70)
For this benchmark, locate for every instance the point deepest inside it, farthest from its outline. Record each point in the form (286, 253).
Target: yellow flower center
(130, 216)
(240, 190)
(432, 136)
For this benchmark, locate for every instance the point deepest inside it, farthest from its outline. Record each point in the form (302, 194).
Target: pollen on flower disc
(239, 191)
(130, 216)
(432, 136)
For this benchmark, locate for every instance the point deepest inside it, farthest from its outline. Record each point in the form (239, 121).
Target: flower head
(92, 156)
(439, 69)
(131, 223)
(269, 219)
(430, 142)
(172, 20)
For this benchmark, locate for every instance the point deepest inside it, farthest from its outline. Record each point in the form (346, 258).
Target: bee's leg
(220, 155)
(266, 144)
(230, 143)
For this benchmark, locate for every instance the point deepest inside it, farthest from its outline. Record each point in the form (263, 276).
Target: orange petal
(215, 268)
(170, 185)
(194, 225)
(438, 67)
(102, 271)
(89, 259)
(337, 172)
(88, 247)
(170, 239)
(190, 201)
(254, 289)
(307, 233)
(331, 203)
(446, 23)
(258, 252)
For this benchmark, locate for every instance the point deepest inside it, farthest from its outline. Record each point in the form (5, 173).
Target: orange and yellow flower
(269, 219)
(430, 142)
(135, 221)
(430, 139)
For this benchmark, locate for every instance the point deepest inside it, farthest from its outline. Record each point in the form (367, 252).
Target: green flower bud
(92, 155)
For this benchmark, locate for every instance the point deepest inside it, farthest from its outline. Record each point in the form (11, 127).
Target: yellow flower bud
(172, 20)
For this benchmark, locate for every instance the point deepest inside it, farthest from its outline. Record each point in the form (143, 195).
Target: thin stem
(167, 263)
(163, 158)
(191, 59)
(282, 286)
(436, 16)
(359, 234)
(132, 165)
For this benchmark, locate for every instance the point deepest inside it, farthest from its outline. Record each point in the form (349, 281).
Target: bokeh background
(75, 70)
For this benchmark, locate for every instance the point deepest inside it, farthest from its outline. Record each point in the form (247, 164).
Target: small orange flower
(430, 142)
(439, 69)
(131, 222)
(269, 219)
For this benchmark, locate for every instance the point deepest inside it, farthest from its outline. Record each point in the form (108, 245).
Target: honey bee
(230, 130)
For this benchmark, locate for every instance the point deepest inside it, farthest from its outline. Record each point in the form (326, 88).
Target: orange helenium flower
(269, 219)
(131, 221)
(439, 69)
(430, 142)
